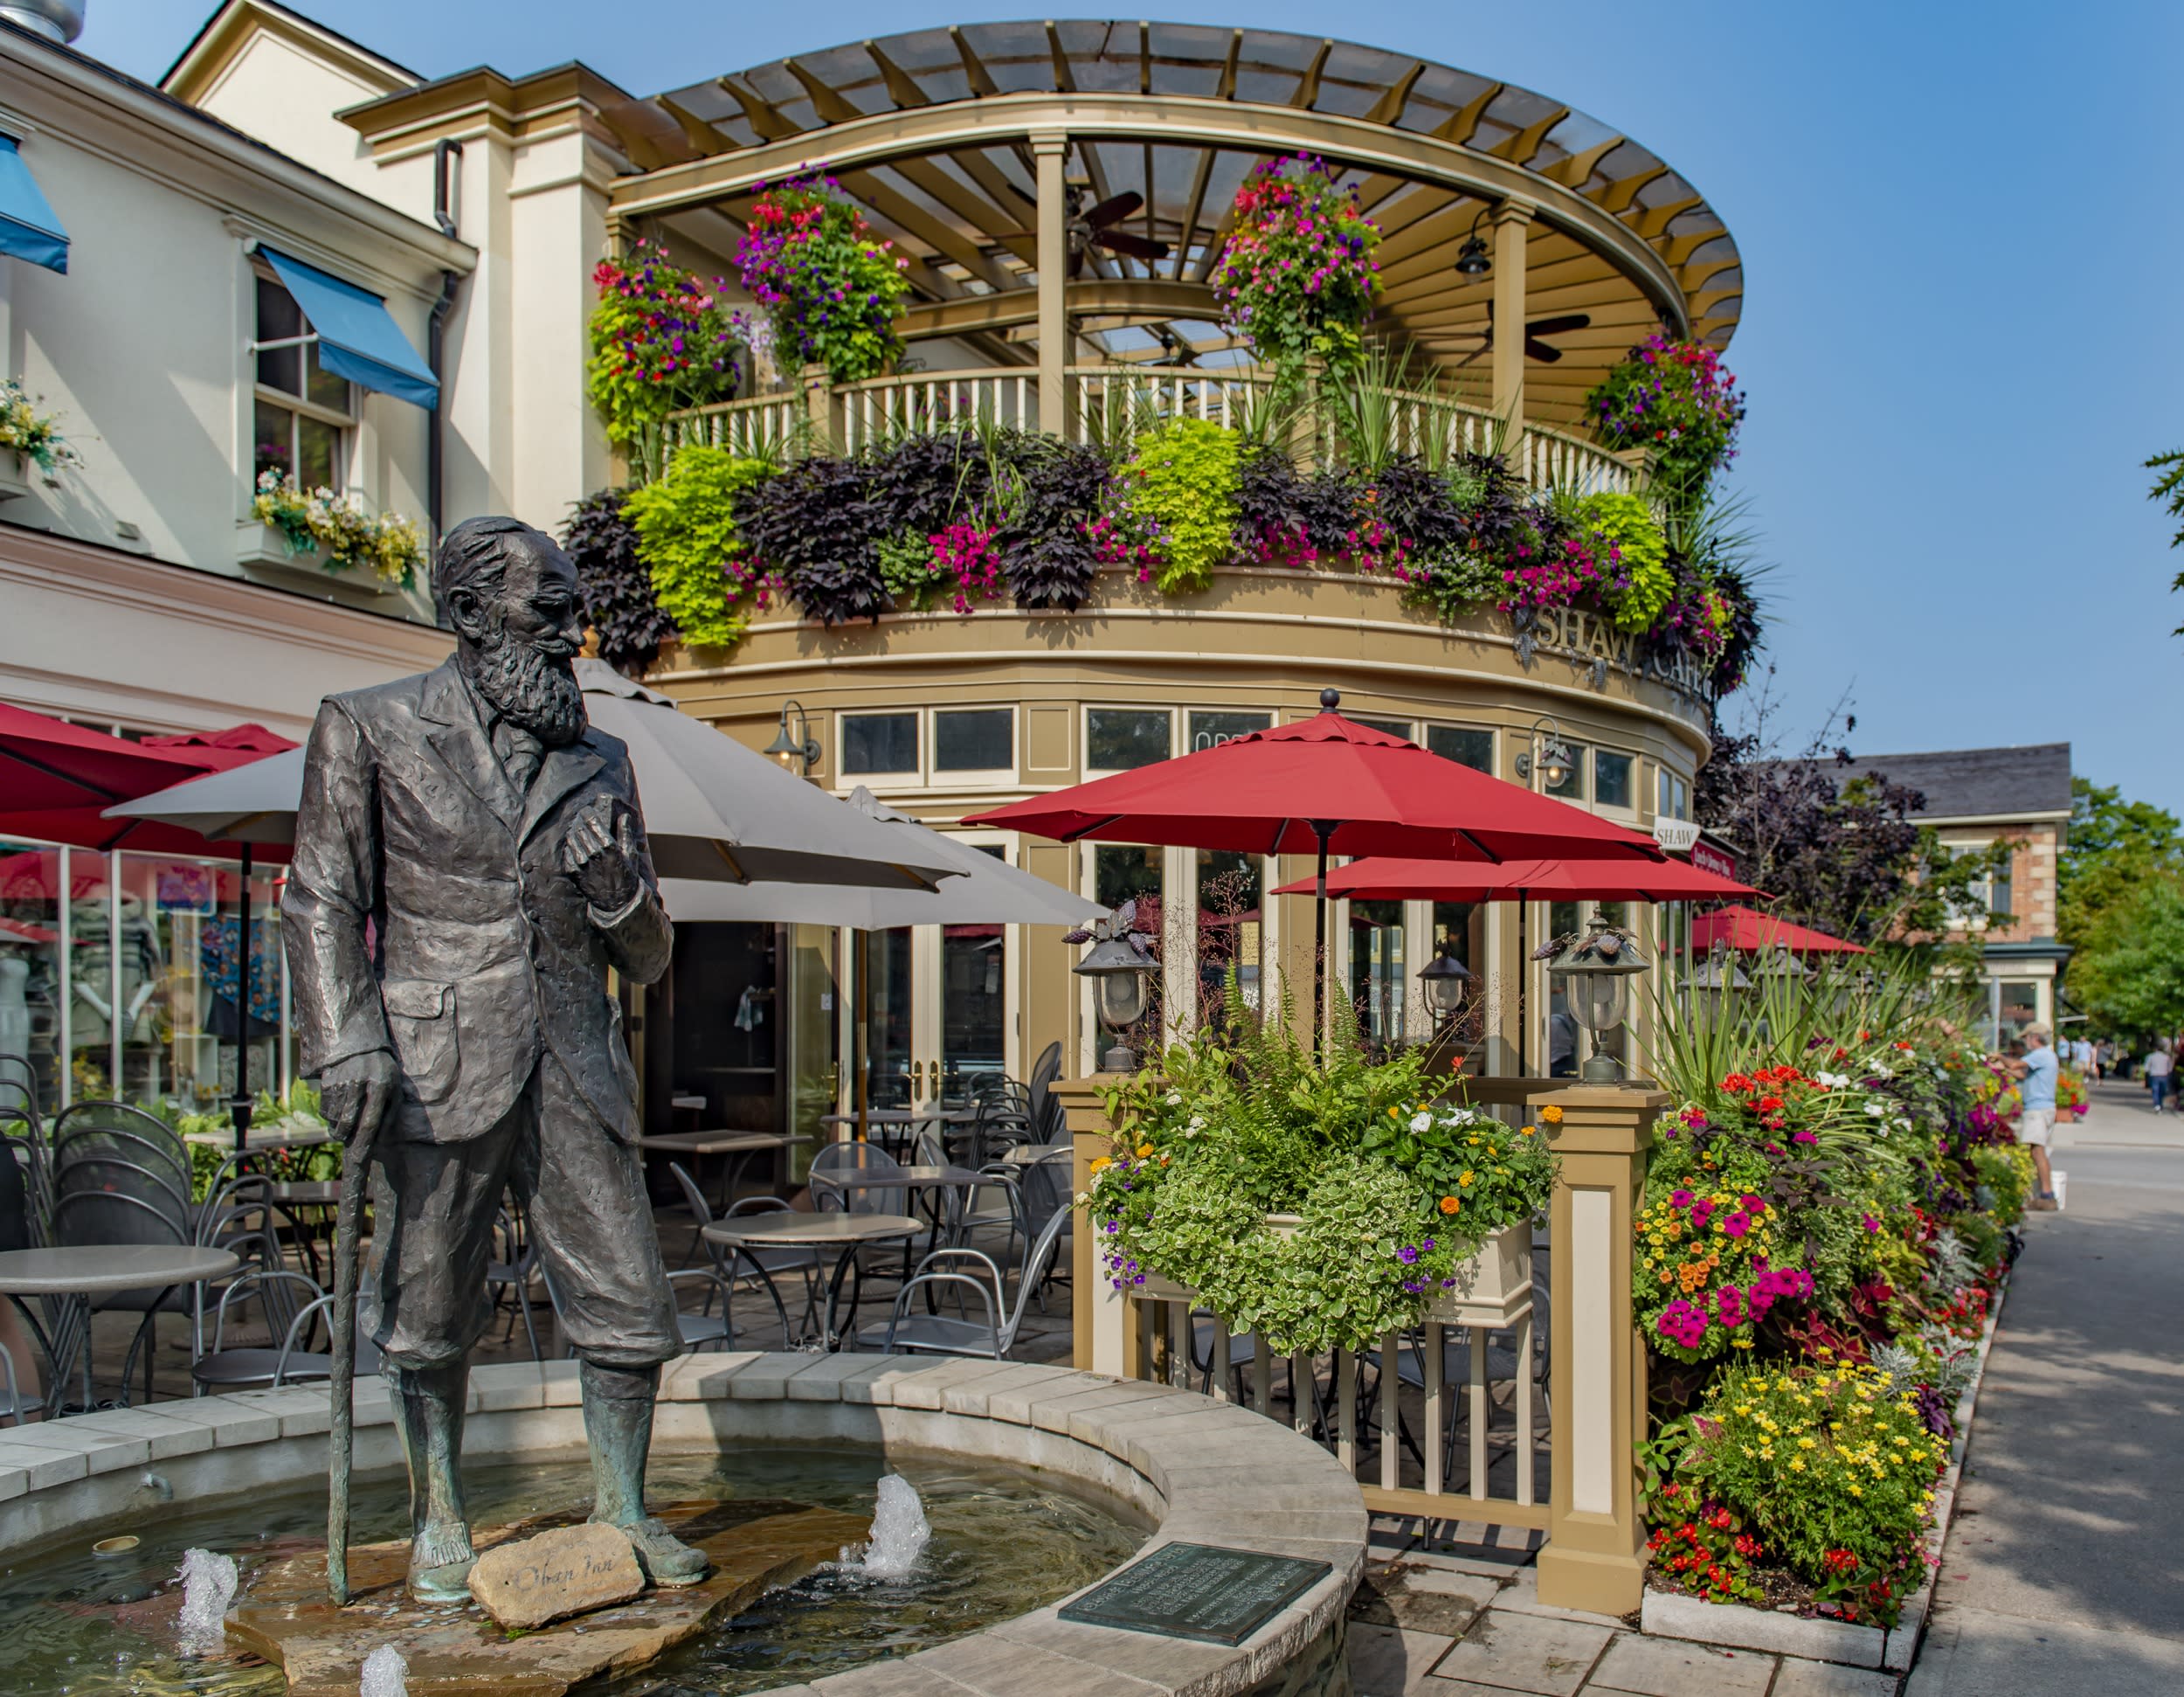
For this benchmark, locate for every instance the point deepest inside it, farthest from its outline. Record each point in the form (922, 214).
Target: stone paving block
(1017, 1407)
(929, 1388)
(822, 1381)
(895, 1678)
(880, 1388)
(970, 1396)
(506, 1385)
(686, 1379)
(1421, 1599)
(766, 1379)
(235, 1424)
(302, 1410)
(1166, 1663)
(101, 1451)
(41, 1469)
(1663, 1667)
(1526, 1652)
(1059, 1414)
(1386, 1662)
(166, 1437)
(1521, 1596)
(1803, 1678)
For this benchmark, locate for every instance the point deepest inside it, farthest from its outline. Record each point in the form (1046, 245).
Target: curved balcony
(1103, 403)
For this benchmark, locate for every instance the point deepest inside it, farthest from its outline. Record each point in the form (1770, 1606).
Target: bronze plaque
(1200, 1592)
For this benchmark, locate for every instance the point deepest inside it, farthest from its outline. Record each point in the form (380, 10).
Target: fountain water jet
(386, 1674)
(208, 1586)
(900, 1533)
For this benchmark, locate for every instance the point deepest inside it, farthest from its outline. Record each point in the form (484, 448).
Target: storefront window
(1124, 739)
(1611, 778)
(1460, 927)
(33, 978)
(1124, 872)
(1402, 728)
(980, 740)
(1229, 887)
(880, 744)
(1378, 984)
(1465, 747)
(1565, 1039)
(1208, 728)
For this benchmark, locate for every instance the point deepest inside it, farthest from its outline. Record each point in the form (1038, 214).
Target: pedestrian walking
(2160, 1066)
(2036, 1075)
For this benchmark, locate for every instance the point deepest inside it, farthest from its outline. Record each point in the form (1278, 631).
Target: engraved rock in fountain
(552, 1575)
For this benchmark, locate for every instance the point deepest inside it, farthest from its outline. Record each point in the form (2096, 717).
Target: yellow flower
(1143, 1150)
(1857, 1491)
(1551, 1113)
(1464, 1178)
(1797, 1464)
(1523, 1131)
(1102, 1161)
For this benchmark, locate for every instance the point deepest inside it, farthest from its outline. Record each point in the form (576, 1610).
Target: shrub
(686, 538)
(614, 586)
(1177, 496)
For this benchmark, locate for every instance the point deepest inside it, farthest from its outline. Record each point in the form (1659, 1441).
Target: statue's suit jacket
(482, 951)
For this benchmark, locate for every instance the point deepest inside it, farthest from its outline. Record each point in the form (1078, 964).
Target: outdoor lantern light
(1596, 970)
(1780, 967)
(1714, 977)
(1553, 756)
(799, 752)
(1472, 258)
(1122, 980)
(1445, 979)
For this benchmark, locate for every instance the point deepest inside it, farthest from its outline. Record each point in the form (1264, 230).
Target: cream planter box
(1494, 1286)
(15, 471)
(260, 550)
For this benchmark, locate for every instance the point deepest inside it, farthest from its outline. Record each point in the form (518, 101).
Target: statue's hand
(358, 1093)
(600, 853)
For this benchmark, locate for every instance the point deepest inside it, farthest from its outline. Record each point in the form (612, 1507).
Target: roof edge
(223, 35)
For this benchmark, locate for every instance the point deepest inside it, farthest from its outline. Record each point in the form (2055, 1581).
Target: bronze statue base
(283, 1614)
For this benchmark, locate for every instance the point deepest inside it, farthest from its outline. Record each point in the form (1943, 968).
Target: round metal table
(82, 1271)
(851, 1232)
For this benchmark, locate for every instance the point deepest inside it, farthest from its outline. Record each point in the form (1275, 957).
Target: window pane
(1393, 727)
(327, 390)
(1207, 729)
(1228, 928)
(1378, 984)
(318, 454)
(275, 448)
(980, 741)
(1122, 873)
(1611, 778)
(1562, 1026)
(1121, 740)
(1467, 748)
(1571, 788)
(277, 319)
(880, 741)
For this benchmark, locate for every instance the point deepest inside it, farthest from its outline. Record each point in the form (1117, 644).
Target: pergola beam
(1149, 299)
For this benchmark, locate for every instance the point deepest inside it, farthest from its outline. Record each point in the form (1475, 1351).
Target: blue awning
(27, 228)
(357, 338)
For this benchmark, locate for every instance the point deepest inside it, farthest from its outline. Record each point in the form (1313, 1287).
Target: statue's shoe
(449, 1582)
(665, 1559)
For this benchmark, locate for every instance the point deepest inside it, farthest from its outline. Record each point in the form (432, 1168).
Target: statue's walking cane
(349, 1227)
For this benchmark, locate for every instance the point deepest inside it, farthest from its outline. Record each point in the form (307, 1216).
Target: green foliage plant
(1175, 499)
(1643, 582)
(686, 536)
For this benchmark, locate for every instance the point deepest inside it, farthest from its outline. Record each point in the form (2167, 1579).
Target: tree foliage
(1841, 854)
(2168, 489)
(2119, 904)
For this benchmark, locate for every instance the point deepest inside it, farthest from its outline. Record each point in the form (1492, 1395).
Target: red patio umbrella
(1744, 929)
(1325, 785)
(1385, 879)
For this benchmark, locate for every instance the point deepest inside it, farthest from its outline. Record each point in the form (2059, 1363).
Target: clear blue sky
(1961, 325)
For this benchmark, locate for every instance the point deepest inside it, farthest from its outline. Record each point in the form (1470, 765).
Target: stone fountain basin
(1194, 1469)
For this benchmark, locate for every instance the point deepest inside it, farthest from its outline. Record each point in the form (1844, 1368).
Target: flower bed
(1820, 1243)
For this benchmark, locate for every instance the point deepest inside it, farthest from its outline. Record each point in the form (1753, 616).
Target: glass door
(962, 1023)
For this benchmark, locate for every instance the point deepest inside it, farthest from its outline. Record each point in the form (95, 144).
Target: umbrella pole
(238, 1109)
(1322, 829)
(860, 1082)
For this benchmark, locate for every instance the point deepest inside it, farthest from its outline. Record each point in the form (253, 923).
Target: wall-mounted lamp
(1549, 753)
(798, 752)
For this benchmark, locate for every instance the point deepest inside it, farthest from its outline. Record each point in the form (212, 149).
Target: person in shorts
(2036, 1075)
(2160, 1070)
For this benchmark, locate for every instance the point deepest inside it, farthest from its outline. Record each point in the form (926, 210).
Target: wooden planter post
(1100, 1317)
(1594, 1557)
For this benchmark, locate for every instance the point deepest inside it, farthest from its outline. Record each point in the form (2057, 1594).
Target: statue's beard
(530, 686)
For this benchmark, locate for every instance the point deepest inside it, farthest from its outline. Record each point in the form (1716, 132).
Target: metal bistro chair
(14, 1234)
(508, 1272)
(120, 1177)
(295, 1366)
(762, 1263)
(936, 1334)
(838, 1159)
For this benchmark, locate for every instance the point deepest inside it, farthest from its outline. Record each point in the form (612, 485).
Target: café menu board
(1201, 1591)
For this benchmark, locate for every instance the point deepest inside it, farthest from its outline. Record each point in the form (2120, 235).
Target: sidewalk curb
(1672, 1615)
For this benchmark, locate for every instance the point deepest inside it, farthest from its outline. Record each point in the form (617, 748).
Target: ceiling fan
(1535, 346)
(1094, 226)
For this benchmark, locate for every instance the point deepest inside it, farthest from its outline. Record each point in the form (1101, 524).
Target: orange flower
(1143, 1149)
(1449, 1204)
(1551, 1113)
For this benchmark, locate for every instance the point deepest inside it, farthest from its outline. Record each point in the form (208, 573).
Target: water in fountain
(900, 1533)
(208, 1586)
(386, 1674)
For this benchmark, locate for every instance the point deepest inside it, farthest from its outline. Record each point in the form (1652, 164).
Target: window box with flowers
(294, 531)
(28, 438)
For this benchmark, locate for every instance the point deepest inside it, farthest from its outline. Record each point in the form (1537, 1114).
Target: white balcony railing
(1110, 404)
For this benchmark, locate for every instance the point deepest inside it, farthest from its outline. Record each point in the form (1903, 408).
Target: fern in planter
(613, 585)
(686, 538)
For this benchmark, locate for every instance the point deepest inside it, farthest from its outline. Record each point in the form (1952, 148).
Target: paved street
(2064, 1570)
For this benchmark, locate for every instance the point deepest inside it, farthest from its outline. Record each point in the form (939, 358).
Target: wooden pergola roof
(932, 131)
